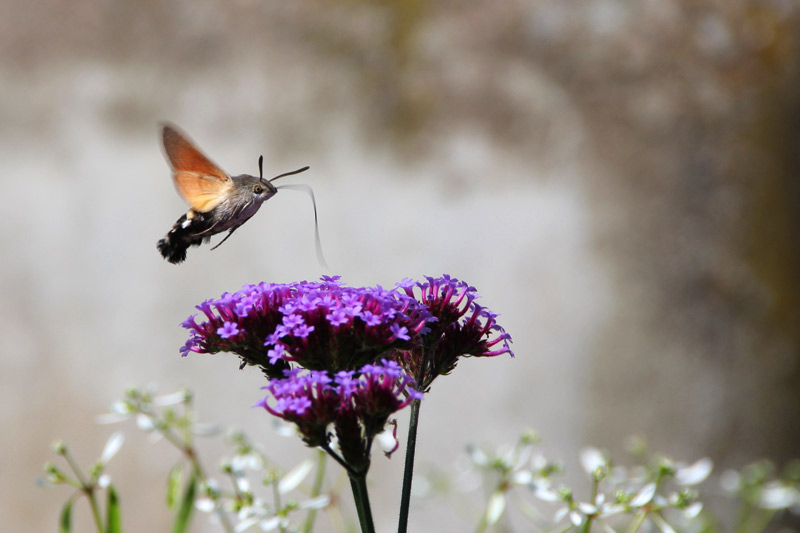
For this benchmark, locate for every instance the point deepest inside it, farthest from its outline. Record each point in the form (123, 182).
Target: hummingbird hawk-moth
(218, 202)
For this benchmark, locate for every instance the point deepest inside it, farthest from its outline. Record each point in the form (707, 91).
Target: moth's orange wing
(199, 181)
(202, 192)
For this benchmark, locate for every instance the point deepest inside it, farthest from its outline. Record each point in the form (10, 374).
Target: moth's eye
(258, 189)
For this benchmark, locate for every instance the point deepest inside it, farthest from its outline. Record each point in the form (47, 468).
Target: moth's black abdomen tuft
(187, 231)
(172, 251)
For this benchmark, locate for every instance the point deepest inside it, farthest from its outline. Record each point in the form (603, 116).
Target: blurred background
(618, 179)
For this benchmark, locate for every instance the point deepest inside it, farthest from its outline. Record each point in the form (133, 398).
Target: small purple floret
(228, 330)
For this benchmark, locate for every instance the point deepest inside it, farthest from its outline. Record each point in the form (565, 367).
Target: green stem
(95, 509)
(86, 487)
(587, 527)
(315, 490)
(358, 482)
(637, 522)
(760, 520)
(190, 454)
(484, 522)
(744, 516)
(408, 473)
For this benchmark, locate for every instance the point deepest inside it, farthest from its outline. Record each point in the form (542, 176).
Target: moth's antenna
(310, 191)
(298, 171)
(260, 167)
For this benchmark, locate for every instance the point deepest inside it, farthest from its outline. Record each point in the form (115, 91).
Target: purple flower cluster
(320, 344)
(356, 403)
(462, 328)
(317, 325)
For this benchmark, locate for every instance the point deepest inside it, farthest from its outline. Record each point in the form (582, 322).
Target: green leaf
(174, 486)
(65, 519)
(113, 521)
(184, 515)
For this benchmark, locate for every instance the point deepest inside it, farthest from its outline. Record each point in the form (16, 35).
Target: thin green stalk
(408, 472)
(743, 519)
(95, 508)
(358, 483)
(637, 522)
(186, 448)
(85, 487)
(759, 521)
(191, 454)
(316, 489)
(484, 521)
(587, 526)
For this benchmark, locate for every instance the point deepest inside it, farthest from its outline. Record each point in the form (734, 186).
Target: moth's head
(264, 189)
(254, 187)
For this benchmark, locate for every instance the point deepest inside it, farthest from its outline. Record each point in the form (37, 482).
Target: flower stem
(87, 487)
(184, 445)
(315, 490)
(342, 462)
(358, 482)
(95, 509)
(408, 473)
(587, 526)
(637, 521)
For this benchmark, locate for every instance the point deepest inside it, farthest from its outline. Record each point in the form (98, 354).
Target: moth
(218, 202)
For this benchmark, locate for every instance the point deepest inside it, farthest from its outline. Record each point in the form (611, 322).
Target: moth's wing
(201, 191)
(198, 180)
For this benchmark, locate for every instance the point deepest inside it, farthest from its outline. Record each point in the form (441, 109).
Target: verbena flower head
(462, 328)
(357, 404)
(320, 325)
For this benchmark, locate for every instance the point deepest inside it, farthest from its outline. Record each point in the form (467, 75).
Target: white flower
(694, 473)
(776, 495)
(171, 399)
(539, 462)
(242, 483)
(497, 504)
(273, 522)
(145, 423)
(544, 491)
(522, 477)
(246, 524)
(524, 457)
(644, 496)
(320, 502)
(113, 444)
(592, 459)
(611, 509)
(119, 411)
(692, 510)
(294, 477)
(477, 456)
(205, 505)
(247, 461)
